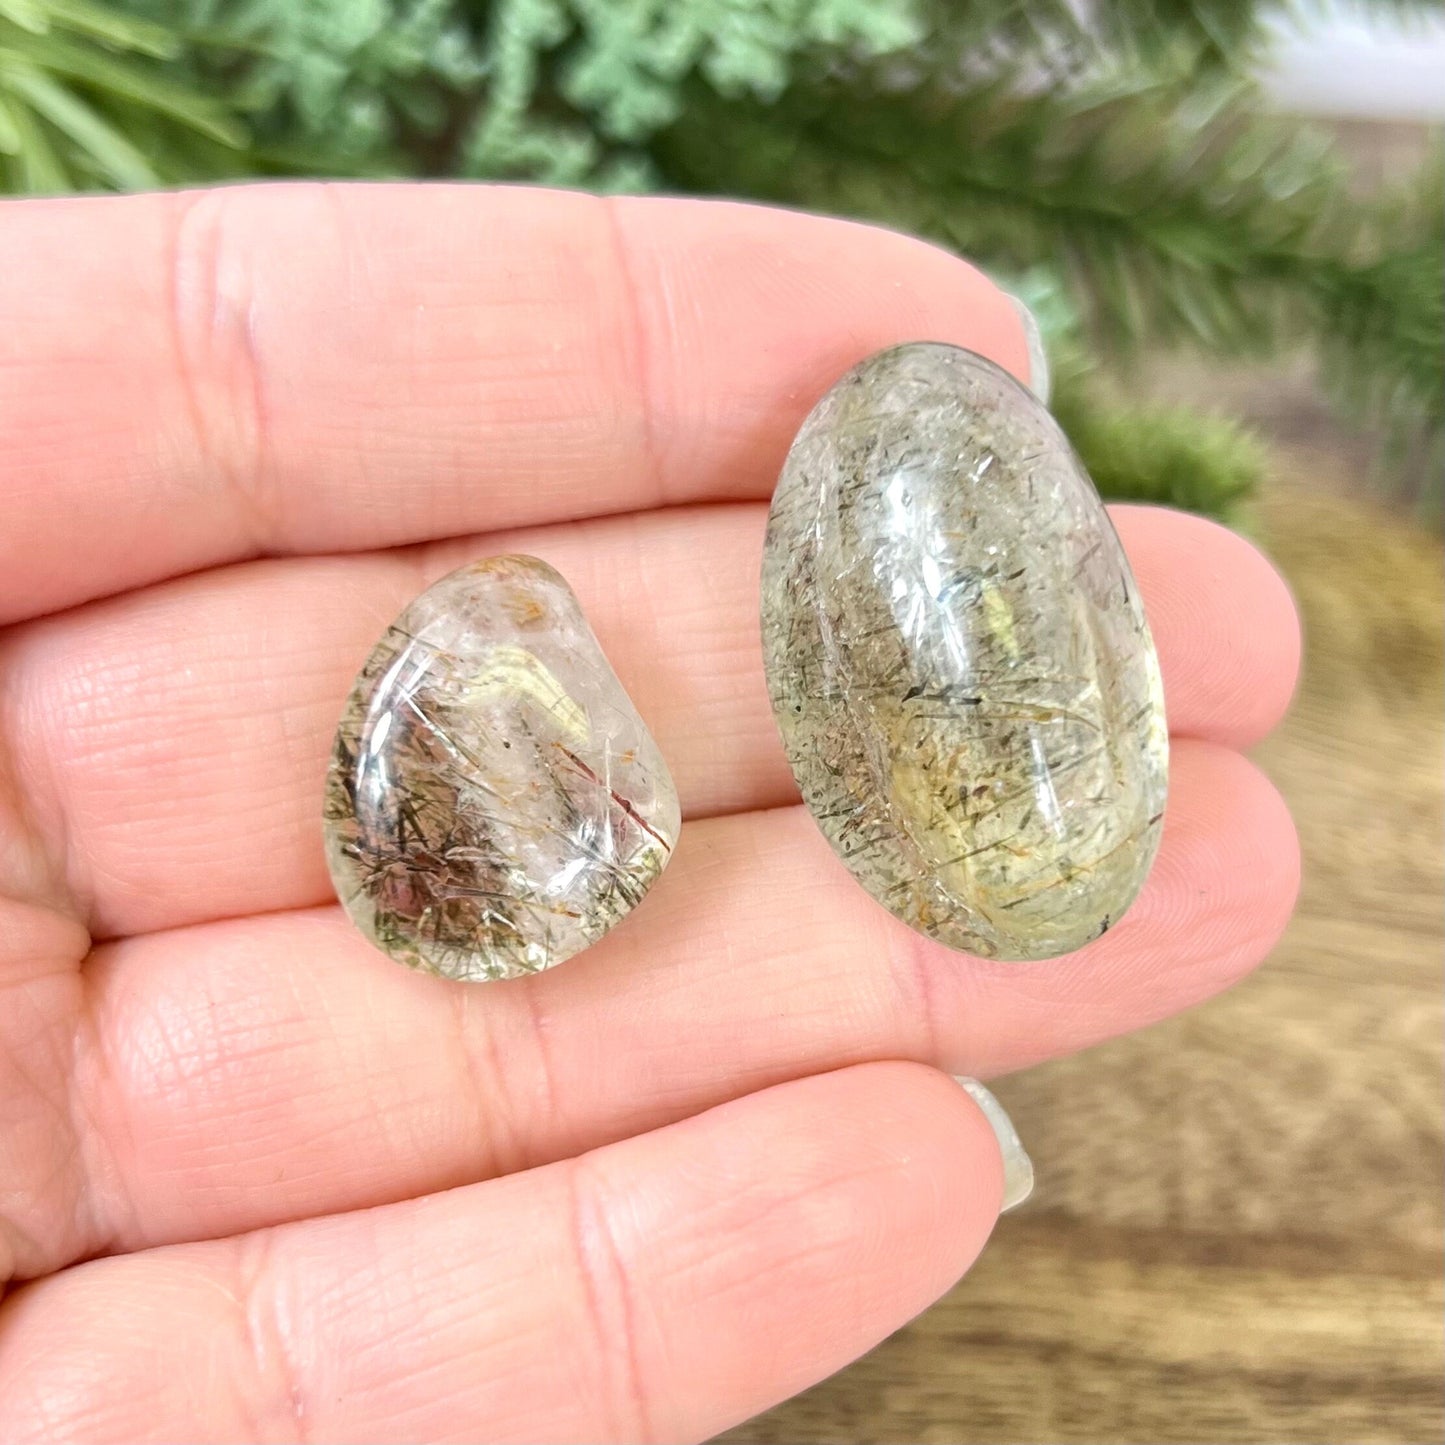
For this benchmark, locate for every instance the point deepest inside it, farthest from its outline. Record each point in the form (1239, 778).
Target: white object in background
(1341, 60)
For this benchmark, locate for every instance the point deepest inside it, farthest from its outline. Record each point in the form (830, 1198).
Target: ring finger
(254, 1070)
(174, 741)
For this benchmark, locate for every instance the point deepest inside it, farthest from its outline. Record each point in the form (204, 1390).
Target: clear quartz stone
(958, 659)
(494, 802)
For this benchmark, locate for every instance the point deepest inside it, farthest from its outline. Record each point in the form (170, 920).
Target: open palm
(257, 1181)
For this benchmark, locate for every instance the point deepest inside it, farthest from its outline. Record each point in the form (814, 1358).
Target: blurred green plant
(1118, 167)
(86, 100)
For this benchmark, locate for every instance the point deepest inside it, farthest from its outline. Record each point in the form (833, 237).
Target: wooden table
(1236, 1234)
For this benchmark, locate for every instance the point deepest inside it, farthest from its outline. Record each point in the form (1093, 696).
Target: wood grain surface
(1236, 1234)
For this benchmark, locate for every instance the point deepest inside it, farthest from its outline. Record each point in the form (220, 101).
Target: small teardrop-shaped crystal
(494, 802)
(958, 659)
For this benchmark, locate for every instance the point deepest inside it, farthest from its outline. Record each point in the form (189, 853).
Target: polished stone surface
(494, 803)
(958, 659)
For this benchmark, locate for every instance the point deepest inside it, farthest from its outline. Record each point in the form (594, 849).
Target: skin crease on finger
(320, 370)
(661, 1288)
(328, 368)
(249, 1071)
(180, 782)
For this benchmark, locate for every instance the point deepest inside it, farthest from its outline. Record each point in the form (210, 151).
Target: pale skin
(258, 1182)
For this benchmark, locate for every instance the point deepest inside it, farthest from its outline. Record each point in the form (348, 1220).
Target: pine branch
(80, 83)
(1174, 213)
(1143, 452)
(1178, 37)
(1136, 451)
(1384, 347)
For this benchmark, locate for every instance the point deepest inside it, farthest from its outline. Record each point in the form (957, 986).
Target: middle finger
(174, 741)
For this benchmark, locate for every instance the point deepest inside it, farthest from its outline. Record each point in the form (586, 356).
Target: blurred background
(1230, 220)
(1136, 169)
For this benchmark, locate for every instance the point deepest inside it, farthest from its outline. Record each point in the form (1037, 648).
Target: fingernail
(1018, 1168)
(1038, 357)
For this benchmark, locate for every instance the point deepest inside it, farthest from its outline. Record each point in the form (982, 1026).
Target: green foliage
(1171, 211)
(85, 101)
(1137, 452)
(1145, 452)
(1382, 329)
(1116, 157)
(1171, 214)
(564, 91)
(331, 86)
(583, 84)
(1065, 41)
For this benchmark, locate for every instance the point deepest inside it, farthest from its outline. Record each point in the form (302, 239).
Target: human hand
(642, 1196)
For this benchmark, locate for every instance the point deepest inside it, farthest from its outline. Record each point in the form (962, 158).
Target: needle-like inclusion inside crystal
(494, 802)
(958, 659)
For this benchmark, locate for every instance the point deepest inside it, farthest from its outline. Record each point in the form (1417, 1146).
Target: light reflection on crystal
(964, 681)
(494, 803)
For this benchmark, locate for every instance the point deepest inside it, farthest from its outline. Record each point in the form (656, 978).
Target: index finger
(195, 378)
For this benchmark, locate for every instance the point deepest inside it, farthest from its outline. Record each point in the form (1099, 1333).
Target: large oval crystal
(958, 658)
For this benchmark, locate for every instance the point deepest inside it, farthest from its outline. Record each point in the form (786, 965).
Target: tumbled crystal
(494, 803)
(958, 659)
